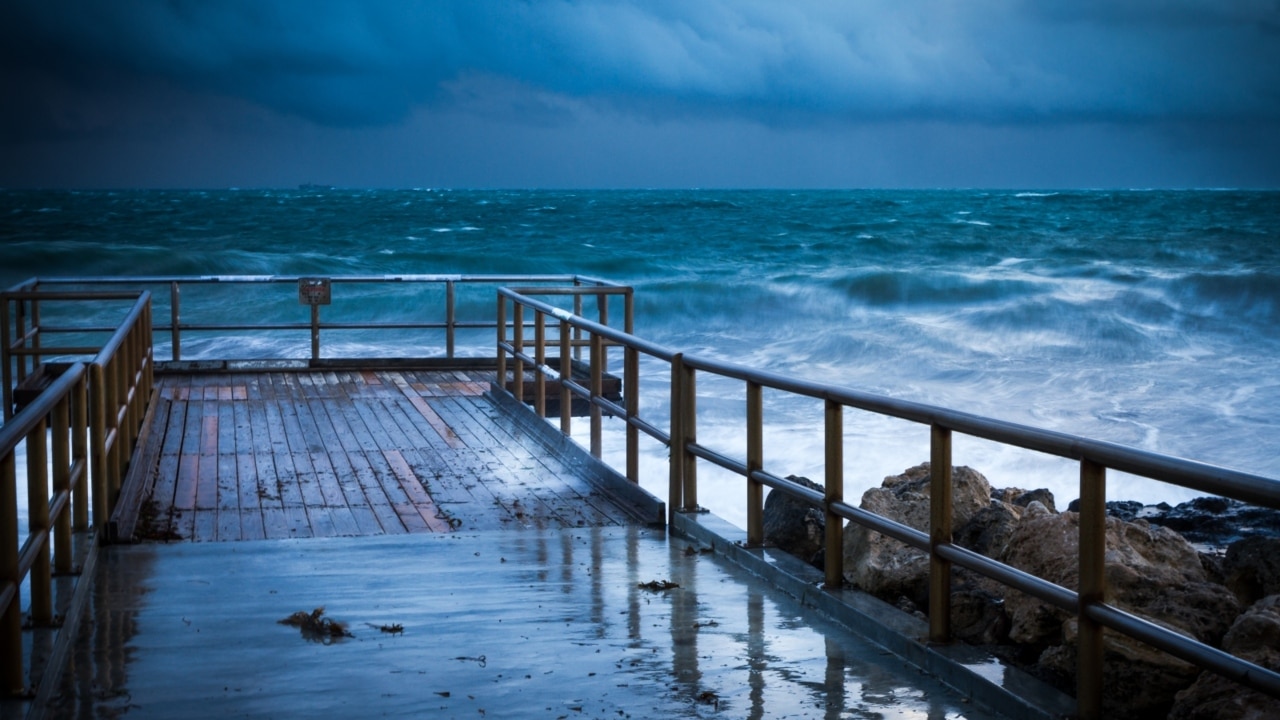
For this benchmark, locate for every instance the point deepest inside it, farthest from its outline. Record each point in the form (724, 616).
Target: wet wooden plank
(353, 453)
(389, 517)
(572, 495)
(255, 484)
(165, 486)
(228, 489)
(518, 475)
(434, 516)
(446, 433)
(207, 477)
(206, 525)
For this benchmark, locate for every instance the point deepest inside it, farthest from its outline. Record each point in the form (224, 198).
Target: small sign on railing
(313, 291)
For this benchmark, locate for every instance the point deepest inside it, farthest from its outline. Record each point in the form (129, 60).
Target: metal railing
(84, 425)
(1087, 601)
(301, 291)
(108, 396)
(54, 428)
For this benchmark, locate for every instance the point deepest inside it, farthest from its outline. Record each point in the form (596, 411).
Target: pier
(480, 562)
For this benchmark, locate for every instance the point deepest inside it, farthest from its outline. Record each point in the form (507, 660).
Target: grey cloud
(355, 63)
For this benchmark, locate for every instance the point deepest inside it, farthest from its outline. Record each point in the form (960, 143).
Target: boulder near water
(1254, 636)
(794, 525)
(887, 568)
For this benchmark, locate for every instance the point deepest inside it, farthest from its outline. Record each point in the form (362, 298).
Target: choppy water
(1148, 318)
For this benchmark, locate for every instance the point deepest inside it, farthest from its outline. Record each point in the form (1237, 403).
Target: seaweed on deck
(317, 628)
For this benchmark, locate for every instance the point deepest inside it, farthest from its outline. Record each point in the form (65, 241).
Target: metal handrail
(93, 412)
(175, 327)
(1094, 456)
(60, 413)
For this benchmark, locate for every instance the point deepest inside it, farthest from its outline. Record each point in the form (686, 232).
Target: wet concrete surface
(511, 624)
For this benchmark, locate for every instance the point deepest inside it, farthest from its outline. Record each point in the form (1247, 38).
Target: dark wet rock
(794, 525)
(988, 531)
(978, 613)
(1251, 568)
(1127, 510)
(1139, 682)
(1041, 495)
(1150, 570)
(1207, 521)
(1211, 562)
(1254, 636)
(887, 568)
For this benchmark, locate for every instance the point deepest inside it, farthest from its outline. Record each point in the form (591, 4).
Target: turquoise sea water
(1149, 318)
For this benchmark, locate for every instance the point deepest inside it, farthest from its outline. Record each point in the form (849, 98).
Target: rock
(1255, 636)
(978, 614)
(1138, 681)
(1128, 510)
(794, 525)
(885, 567)
(1022, 498)
(1251, 568)
(989, 530)
(1209, 521)
(1150, 570)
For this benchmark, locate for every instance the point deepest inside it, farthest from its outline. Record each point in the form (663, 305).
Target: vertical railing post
(566, 373)
(631, 397)
(502, 339)
(36, 359)
(597, 390)
(38, 522)
(315, 331)
(833, 492)
(602, 313)
(99, 463)
(1092, 589)
(540, 355)
(577, 331)
(11, 672)
(755, 462)
(80, 452)
(517, 344)
(689, 429)
(450, 317)
(175, 314)
(62, 484)
(111, 438)
(20, 333)
(629, 311)
(675, 454)
(940, 514)
(129, 388)
(6, 372)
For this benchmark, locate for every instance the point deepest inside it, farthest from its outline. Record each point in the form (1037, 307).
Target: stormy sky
(640, 93)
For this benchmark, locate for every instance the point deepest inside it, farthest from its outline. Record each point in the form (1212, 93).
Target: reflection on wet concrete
(549, 623)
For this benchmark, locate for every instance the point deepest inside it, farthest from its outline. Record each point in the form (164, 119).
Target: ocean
(1147, 318)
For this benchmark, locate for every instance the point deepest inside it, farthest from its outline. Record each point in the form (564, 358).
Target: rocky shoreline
(1208, 568)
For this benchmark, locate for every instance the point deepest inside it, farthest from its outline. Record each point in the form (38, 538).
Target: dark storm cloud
(373, 63)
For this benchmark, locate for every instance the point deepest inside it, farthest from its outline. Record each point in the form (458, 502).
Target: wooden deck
(248, 456)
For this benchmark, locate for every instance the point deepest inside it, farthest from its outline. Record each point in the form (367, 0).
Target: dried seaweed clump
(317, 628)
(657, 585)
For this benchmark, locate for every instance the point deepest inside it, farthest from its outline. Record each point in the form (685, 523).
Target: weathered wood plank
(207, 477)
(513, 479)
(272, 455)
(206, 525)
(326, 482)
(432, 514)
(446, 433)
(570, 494)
